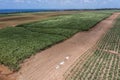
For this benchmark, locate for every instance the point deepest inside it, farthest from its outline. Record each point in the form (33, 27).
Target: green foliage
(82, 21)
(20, 42)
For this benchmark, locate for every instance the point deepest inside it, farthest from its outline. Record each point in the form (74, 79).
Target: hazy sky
(58, 4)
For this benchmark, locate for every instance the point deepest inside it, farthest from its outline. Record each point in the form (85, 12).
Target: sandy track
(52, 63)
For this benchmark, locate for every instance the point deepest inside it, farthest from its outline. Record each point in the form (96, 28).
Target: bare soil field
(29, 17)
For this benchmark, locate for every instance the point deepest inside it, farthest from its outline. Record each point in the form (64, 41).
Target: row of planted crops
(102, 62)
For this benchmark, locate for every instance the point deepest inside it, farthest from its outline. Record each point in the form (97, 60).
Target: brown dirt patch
(16, 18)
(5, 73)
(4, 70)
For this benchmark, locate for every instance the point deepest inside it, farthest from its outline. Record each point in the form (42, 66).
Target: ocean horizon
(6, 11)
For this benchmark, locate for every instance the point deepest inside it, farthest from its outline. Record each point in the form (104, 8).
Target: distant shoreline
(7, 11)
(10, 11)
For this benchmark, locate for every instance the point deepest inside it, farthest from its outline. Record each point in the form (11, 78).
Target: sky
(58, 4)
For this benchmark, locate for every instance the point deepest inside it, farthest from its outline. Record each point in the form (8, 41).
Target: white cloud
(89, 1)
(24, 1)
(86, 1)
(20, 1)
(39, 0)
(62, 2)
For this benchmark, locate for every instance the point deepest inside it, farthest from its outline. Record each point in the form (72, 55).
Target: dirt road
(52, 63)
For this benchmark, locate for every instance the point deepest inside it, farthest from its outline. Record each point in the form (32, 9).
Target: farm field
(22, 41)
(53, 62)
(6, 15)
(7, 20)
(30, 40)
(103, 63)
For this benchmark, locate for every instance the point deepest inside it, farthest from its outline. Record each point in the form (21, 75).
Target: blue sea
(6, 11)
